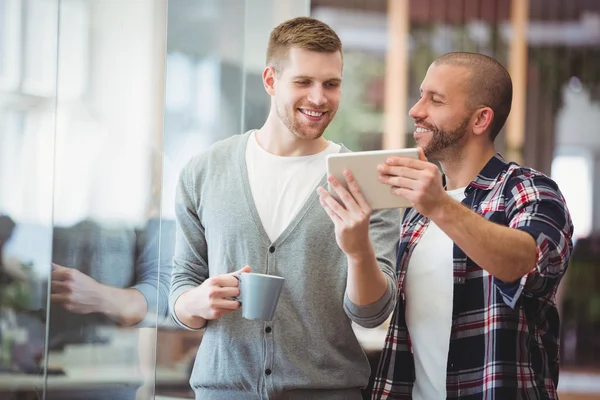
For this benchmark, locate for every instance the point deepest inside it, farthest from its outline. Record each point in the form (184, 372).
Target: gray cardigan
(309, 350)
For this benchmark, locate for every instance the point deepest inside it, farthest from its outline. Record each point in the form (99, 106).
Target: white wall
(578, 132)
(106, 131)
(261, 17)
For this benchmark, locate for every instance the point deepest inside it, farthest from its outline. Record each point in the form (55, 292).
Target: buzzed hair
(489, 85)
(303, 33)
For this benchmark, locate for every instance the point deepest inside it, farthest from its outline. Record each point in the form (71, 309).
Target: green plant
(582, 280)
(356, 115)
(17, 294)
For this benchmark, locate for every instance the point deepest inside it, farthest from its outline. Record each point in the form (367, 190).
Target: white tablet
(363, 165)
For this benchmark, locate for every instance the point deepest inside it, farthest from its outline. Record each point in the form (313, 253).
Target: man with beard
(250, 201)
(481, 252)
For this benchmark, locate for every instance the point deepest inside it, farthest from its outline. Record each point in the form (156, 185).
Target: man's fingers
(332, 215)
(356, 192)
(59, 287)
(225, 280)
(229, 280)
(224, 304)
(239, 271)
(225, 292)
(406, 193)
(333, 208)
(60, 298)
(406, 162)
(61, 274)
(348, 201)
(399, 182)
(405, 172)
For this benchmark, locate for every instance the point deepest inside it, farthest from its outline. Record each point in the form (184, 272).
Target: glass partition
(108, 277)
(101, 105)
(83, 278)
(216, 52)
(28, 60)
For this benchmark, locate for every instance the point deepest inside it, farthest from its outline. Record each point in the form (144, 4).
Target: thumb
(239, 271)
(422, 154)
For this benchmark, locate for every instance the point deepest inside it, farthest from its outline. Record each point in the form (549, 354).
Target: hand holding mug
(212, 299)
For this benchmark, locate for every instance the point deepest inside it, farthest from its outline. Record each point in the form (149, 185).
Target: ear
(483, 118)
(269, 80)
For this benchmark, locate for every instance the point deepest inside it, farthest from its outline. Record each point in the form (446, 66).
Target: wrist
(443, 211)
(183, 312)
(362, 256)
(104, 298)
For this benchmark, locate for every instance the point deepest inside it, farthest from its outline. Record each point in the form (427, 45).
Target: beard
(444, 141)
(300, 127)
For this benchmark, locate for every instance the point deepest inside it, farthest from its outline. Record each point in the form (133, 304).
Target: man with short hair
(481, 252)
(250, 201)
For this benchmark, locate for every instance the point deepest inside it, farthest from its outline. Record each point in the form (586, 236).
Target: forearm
(366, 282)
(182, 313)
(505, 253)
(124, 306)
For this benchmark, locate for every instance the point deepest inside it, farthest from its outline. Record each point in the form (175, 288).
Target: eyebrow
(338, 80)
(433, 93)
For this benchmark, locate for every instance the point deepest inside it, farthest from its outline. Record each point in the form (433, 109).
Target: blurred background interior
(102, 102)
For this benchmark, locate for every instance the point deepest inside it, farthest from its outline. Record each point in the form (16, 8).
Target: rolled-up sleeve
(190, 265)
(153, 270)
(536, 206)
(384, 233)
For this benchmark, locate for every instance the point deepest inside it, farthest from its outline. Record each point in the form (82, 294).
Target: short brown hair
(304, 33)
(489, 85)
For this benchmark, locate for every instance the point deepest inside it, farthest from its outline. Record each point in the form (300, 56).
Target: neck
(277, 139)
(462, 168)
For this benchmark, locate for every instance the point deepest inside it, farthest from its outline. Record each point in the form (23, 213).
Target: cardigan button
(271, 249)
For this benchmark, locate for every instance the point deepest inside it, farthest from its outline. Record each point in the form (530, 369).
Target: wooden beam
(159, 51)
(517, 67)
(396, 75)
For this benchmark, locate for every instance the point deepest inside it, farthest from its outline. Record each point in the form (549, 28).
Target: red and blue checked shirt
(504, 339)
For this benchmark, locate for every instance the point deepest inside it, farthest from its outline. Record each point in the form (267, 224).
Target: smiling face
(442, 117)
(306, 91)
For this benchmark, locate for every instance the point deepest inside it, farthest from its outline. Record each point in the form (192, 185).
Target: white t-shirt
(429, 289)
(281, 185)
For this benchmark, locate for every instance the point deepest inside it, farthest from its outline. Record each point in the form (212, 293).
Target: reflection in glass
(109, 266)
(28, 39)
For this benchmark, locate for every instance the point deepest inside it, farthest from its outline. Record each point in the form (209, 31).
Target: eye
(435, 101)
(332, 84)
(303, 82)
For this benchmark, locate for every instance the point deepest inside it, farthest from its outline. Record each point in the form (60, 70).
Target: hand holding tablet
(363, 165)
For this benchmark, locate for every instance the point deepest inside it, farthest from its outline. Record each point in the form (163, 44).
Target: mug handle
(238, 298)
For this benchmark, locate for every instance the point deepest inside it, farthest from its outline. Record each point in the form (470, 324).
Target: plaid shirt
(504, 337)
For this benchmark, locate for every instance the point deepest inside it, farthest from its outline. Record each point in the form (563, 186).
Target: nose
(417, 112)
(317, 95)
